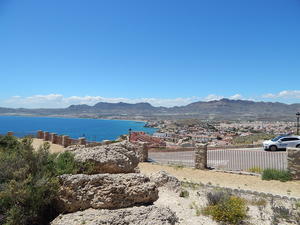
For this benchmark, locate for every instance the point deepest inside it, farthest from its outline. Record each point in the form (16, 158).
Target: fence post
(201, 157)
(293, 158)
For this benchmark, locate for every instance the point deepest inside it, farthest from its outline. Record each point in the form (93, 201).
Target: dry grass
(54, 148)
(226, 180)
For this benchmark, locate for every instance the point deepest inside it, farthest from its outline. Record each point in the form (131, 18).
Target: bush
(29, 183)
(65, 164)
(184, 194)
(273, 174)
(217, 197)
(227, 208)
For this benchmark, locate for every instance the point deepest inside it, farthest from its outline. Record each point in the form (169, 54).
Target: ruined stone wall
(293, 159)
(142, 151)
(201, 157)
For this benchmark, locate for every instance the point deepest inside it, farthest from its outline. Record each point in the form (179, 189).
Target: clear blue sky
(141, 49)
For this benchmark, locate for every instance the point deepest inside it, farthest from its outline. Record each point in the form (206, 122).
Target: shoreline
(71, 117)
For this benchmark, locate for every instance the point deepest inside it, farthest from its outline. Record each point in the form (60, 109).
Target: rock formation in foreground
(105, 191)
(150, 215)
(115, 194)
(163, 179)
(113, 158)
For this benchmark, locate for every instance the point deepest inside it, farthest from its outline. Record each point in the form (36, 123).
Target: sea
(92, 129)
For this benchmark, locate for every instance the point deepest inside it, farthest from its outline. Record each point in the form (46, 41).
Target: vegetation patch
(29, 181)
(255, 169)
(224, 207)
(184, 194)
(273, 174)
(251, 139)
(259, 202)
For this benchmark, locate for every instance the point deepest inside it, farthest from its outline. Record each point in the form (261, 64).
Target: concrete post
(201, 157)
(10, 133)
(46, 136)
(65, 141)
(40, 134)
(82, 141)
(293, 158)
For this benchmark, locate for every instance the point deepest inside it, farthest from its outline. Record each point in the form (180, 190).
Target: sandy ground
(54, 148)
(291, 188)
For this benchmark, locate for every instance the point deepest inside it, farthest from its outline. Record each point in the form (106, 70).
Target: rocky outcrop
(105, 191)
(150, 215)
(113, 158)
(163, 179)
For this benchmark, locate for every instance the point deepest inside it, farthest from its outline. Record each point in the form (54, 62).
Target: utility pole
(298, 125)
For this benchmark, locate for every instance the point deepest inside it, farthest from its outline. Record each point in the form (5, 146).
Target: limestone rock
(163, 179)
(113, 158)
(105, 191)
(150, 215)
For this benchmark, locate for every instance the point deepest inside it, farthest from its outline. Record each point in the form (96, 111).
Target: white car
(282, 142)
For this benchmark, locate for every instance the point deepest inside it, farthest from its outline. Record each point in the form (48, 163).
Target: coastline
(92, 128)
(71, 117)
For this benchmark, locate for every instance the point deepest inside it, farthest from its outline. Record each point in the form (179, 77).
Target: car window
(289, 139)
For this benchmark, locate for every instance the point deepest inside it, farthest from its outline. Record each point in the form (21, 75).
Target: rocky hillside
(221, 109)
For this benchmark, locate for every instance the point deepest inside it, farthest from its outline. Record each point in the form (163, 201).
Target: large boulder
(163, 179)
(113, 158)
(105, 191)
(150, 215)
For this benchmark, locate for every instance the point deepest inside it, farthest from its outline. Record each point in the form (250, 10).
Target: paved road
(229, 159)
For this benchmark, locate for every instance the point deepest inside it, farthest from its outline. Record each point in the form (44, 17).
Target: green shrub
(65, 163)
(28, 181)
(217, 197)
(184, 194)
(225, 207)
(230, 210)
(273, 174)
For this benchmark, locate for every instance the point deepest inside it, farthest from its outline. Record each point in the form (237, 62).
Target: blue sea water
(92, 129)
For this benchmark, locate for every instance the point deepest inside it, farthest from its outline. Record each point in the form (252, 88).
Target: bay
(92, 129)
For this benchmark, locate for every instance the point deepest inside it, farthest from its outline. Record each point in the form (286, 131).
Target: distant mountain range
(220, 109)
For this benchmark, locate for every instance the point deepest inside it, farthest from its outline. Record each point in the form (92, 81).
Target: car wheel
(298, 146)
(273, 148)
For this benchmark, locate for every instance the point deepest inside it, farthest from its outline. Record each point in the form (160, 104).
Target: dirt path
(54, 148)
(291, 188)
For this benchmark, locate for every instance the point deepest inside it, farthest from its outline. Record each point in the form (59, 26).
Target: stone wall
(63, 140)
(201, 157)
(294, 162)
(142, 151)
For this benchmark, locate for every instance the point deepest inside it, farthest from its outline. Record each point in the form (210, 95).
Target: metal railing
(240, 159)
(246, 159)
